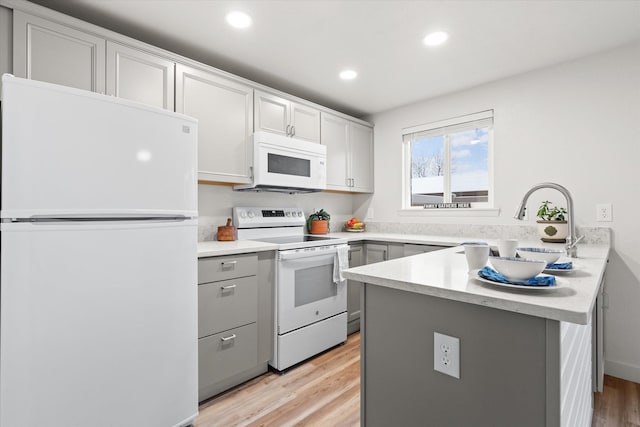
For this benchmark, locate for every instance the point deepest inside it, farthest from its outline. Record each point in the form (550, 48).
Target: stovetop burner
(285, 227)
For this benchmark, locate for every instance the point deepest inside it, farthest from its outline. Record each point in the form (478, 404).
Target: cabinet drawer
(227, 267)
(227, 304)
(226, 354)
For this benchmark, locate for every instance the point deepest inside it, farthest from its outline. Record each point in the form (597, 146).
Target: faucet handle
(575, 242)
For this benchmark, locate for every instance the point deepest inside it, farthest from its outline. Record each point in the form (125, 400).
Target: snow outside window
(449, 161)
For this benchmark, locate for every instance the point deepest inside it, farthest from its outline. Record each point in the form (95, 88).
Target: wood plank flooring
(325, 391)
(618, 405)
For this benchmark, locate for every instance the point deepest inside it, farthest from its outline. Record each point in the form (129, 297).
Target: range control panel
(268, 217)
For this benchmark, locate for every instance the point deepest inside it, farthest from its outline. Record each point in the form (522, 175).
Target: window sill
(460, 212)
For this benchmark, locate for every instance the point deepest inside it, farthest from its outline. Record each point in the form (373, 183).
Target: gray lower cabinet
(235, 319)
(412, 249)
(377, 252)
(361, 254)
(356, 259)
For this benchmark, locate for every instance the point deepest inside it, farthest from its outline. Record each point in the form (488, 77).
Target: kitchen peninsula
(526, 357)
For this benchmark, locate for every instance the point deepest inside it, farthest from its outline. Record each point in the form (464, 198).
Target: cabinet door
(376, 252)
(140, 76)
(335, 135)
(410, 249)
(54, 53)
(306, 122)
(356, 259)
(361, 157)
(224, 109)
(272, 113)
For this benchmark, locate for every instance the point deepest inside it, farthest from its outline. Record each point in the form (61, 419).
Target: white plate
(559, 283)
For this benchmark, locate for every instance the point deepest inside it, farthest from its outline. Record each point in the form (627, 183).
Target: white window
(449, 162)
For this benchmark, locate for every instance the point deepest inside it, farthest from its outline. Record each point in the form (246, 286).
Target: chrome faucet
(572, 239)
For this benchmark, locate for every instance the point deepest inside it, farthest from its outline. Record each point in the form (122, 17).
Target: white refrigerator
(98, 245)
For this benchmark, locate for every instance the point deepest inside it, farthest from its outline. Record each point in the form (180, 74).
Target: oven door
(306, 292)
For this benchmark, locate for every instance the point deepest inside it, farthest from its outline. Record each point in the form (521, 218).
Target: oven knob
(288, 213)
(317, 312)
(243, 214)
(251, 214)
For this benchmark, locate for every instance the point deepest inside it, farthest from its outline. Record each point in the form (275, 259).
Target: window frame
(445, 128)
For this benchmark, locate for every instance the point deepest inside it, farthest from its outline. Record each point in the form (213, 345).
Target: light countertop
(444, 274)
(215, 248)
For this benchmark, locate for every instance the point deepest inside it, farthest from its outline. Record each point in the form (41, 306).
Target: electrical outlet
(446, 354)
(603, 212)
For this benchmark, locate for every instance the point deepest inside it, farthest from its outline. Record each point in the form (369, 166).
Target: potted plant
(318, 222)
(552, 223)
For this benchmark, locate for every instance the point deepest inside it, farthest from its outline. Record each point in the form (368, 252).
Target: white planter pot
(553, 231)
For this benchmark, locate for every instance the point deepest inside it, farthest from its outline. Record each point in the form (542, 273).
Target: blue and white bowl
(517, 268)
(546, 254)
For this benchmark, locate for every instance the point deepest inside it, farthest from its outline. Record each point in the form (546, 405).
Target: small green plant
(548, 212)
(320, 215)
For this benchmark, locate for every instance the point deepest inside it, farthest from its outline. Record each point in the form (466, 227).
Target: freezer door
(98, 324)
(68, 151)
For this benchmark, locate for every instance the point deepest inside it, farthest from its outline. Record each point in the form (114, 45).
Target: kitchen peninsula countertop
(444, 274)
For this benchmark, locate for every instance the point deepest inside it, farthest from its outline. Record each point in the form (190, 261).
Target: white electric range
(310, 295)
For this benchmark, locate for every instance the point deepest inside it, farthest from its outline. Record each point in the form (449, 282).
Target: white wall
(215, 202)
(577, 124)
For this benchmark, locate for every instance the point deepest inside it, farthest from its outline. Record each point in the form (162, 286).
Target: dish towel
(340, 263)
(490, 274)
(560, 266)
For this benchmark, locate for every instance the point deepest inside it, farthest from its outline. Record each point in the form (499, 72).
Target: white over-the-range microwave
(288, 165)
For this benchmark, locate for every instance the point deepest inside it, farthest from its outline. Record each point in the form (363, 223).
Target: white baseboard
(622, 370)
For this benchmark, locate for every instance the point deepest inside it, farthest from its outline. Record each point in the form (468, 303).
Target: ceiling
(300, 46)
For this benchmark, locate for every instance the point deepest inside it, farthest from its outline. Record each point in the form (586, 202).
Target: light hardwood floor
(325, 391)
(618, 405)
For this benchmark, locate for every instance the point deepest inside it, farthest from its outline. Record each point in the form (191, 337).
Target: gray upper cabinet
(282, 116)
(306, 122)
(361, 157)
(335, 135)
(349, 154)
(54, 53)
(140, 76)
(224, 109)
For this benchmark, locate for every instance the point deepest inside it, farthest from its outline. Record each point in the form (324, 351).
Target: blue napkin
(490, 274)
(560, 266)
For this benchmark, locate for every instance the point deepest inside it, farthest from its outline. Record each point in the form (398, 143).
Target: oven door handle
(286, 256)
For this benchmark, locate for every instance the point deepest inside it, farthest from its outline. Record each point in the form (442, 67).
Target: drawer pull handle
(229, 338)
(228, 264)
(228, 287)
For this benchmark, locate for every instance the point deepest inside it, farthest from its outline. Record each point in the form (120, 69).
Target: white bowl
(518, 268)
(549, 255)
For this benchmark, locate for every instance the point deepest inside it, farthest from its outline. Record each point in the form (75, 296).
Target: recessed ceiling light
(348, 75)
(435, 39)
(239, 19)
